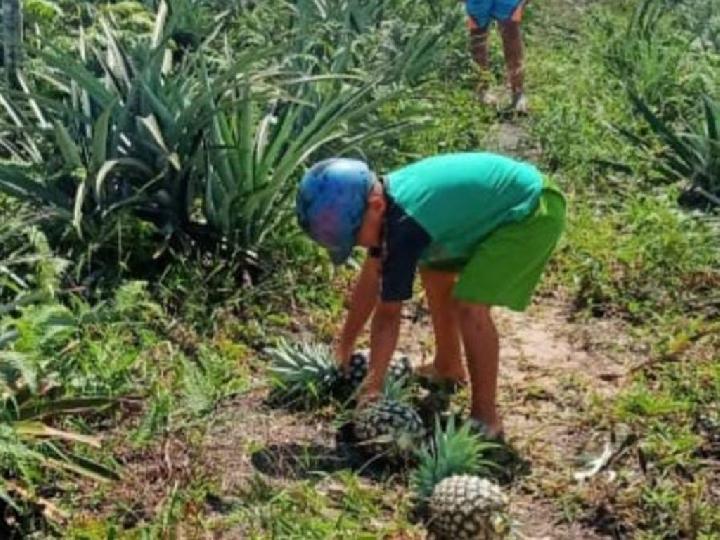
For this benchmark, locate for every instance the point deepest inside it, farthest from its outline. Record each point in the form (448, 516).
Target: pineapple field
(167, 367)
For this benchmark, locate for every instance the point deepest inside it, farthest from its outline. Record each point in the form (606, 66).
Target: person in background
(508, 14)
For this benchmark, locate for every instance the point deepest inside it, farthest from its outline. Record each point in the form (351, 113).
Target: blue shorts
(482, 12)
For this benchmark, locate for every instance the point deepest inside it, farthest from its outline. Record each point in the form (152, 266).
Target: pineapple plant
(456, 501)
(309, 371)
(303, 371)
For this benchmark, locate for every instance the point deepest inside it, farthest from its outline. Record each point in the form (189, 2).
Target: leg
(482, 348)
(443, 312)
(479, 23)
(479, 46)
(479, 19)
(513, 51)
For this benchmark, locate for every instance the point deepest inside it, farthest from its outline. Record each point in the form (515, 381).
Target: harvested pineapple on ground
(308, 371)
(389, 428)
(458, 503)
(400, 366)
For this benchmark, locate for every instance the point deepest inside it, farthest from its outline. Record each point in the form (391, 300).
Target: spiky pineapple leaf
(397, 389)
(38, 430)
(452, 451)
(41, 409)
(302, 369)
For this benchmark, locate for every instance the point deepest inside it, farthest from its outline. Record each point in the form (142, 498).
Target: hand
(342, 357)
(367, 396)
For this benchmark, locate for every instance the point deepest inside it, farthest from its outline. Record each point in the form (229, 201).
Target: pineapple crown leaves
(301, 367)
(396, 389)
(452, 451)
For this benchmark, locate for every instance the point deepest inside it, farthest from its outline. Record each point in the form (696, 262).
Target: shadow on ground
(303, 461)
(298, 461)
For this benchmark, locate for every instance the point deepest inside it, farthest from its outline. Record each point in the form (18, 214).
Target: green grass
(186, 344)
(631, 252)
(339, 506)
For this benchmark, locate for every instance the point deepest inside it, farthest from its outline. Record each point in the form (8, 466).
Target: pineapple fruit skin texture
(389, 426)
(468, 507)
(357, 370)
(400, 367)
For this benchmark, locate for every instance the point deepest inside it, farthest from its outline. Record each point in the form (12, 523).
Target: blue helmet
(331, 203)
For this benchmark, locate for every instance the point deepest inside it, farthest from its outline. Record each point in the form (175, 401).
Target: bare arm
(383, 340)
(362, 303)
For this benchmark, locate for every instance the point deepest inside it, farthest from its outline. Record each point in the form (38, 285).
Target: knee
(479, 35)
(478, 313)
(509, 30)
(437, 280)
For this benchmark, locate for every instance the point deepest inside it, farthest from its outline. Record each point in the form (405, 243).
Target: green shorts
(506, 266)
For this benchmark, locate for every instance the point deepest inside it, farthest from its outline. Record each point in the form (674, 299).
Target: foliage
(253, 157)
(631, 251)
(303, 510)
(138, 131)
(256, 152)
(691, 153)
(28, 269)
(42, 10)
(401, 40)
(702, 20)
(156, 150)
(128, 142)
(651, 59)
(646, 259)
(61, 370)
(452, 451)
(31, 447)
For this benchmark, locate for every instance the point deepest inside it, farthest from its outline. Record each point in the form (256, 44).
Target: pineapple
(303, 370)
(356, 370)
(459, 503)
(391, 426)
(309, 371)
(388, 427)
(469, 507)
(400, 367)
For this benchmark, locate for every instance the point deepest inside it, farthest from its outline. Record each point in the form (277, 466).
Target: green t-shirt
(461, 198)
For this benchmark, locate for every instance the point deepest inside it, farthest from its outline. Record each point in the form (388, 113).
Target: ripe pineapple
(469, 507)
(357, 369)
(460, 504)
(389, 427)
(400, 367)
(309, 371)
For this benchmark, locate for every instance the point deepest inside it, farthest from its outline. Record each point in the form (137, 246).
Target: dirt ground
(551, 371)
